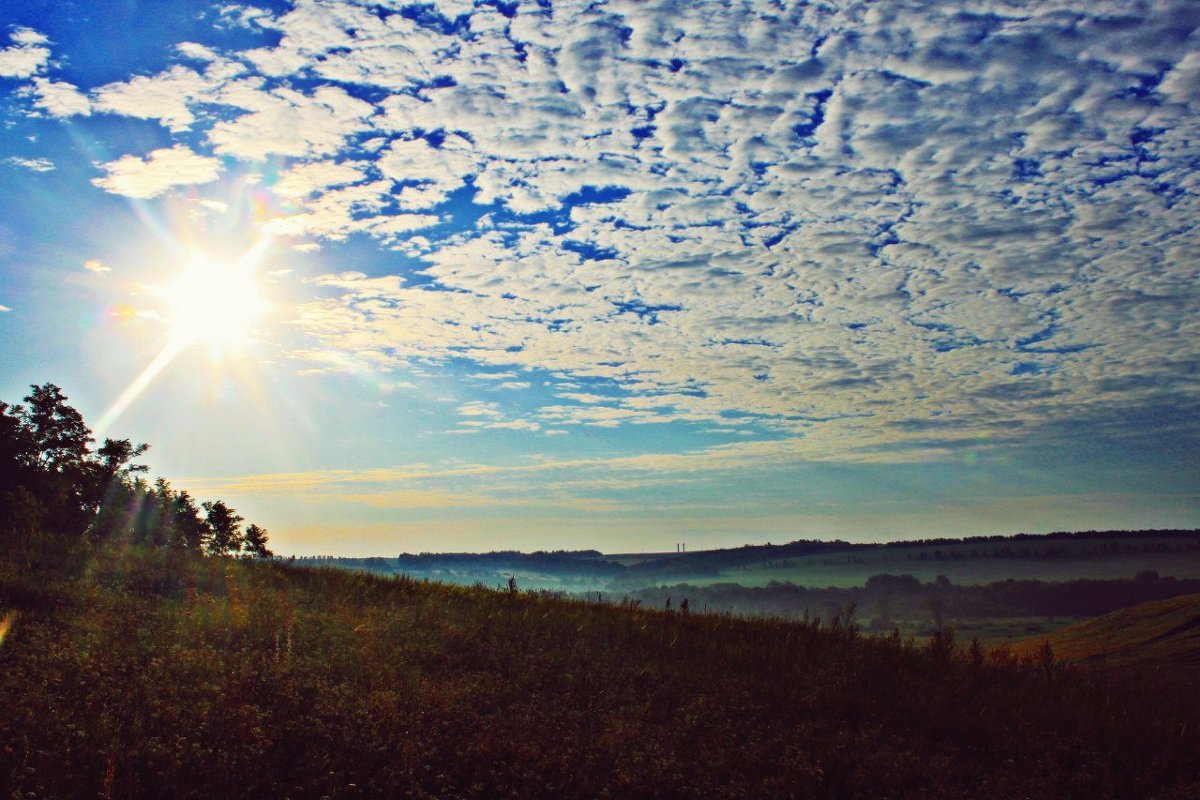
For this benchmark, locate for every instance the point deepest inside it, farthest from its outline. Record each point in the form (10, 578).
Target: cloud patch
(60, 99)
(159, 172)
(26, 56)
(31, 164)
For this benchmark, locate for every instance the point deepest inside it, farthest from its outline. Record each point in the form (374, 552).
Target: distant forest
(1021, 545)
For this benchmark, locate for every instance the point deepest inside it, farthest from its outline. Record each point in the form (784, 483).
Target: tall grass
(134, 673)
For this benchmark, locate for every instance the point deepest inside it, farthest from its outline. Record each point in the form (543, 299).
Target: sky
(393, 277)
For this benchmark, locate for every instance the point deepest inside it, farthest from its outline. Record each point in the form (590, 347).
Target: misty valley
(998, 589)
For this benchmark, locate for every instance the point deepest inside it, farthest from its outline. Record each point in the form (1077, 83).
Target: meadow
(133, 671)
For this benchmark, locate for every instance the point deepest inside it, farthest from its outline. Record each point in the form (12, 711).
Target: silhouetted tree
(48, 450)
(188, 530)
(60, 435)
(256, 542)
(51, 479)
(114, 465)
(225, 528)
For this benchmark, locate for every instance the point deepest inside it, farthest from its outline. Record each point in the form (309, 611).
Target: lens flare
(6, 623)
(214, 303)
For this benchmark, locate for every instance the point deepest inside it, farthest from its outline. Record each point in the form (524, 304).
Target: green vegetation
(133, 672)
(1004, 610)
(51, 479)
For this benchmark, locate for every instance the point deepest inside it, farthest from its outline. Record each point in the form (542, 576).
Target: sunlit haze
(215, 302)
(479, 276)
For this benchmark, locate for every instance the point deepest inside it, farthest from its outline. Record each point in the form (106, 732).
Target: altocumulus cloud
(26, 55)
(877, 230)
(159, 171)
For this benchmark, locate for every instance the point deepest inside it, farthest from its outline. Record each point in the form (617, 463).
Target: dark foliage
(51, 479)
(153, 672)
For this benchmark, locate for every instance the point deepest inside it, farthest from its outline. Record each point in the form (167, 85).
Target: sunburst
(213, 303)
(216, 303)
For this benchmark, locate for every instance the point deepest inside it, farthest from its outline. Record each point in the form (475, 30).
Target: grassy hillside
(1158, 640)
(152, 673)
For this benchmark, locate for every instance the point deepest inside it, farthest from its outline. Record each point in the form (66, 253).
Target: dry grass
(133, 673)
(1158, 641)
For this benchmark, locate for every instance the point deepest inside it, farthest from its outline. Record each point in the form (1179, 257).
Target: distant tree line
(557, 562)
(1021, 545)
(886, 597)
(53, 479)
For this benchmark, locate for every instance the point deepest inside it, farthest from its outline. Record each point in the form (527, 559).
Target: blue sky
(616, 275)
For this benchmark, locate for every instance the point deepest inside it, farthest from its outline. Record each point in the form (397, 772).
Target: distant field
(1103, 555)
(969, 564)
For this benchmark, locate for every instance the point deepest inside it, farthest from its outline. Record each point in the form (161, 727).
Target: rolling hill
(1159, 640)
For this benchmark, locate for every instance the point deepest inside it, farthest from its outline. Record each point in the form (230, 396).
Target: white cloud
(828, 221)
(480, 415)
(197, 52)
(209, 206)
(96, 266)
(337, 213)
(305, 179)
(4, 309)
(287, 122)
(34, 164)
(445, 167)
(479, 409)
(26, 57)
(241, 16)
(60, 99)
(28, 36)
(158, 172)
(167, 97)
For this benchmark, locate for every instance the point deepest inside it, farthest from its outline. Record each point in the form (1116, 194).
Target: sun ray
(139, 384)
(212, 303)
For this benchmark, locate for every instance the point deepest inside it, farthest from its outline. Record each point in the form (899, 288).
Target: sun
(215, 303)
